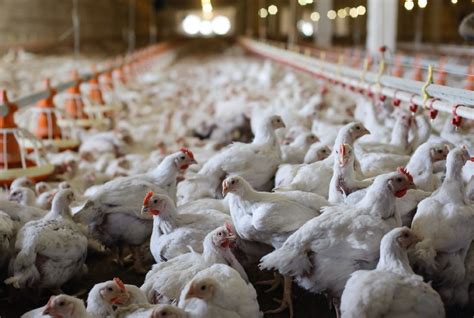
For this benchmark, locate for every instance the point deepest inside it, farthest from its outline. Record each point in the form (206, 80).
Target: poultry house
(231, 177)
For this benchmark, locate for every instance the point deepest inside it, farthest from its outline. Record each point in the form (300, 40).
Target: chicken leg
(273, 283)
(286, 302)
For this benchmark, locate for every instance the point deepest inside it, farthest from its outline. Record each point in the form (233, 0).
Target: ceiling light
(263, 13)
(332, 14)
(191, 24)
(361, 10)
(273, 9)
(315, 16)
(221, 25)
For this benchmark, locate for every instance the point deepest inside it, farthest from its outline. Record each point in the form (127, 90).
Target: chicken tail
(425, 255)
(25, 271)
(289, 261)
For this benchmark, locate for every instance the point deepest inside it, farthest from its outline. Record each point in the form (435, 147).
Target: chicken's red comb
(187, 152)
(406, 173)
(147, 198)
(229, 228)
(119, 283)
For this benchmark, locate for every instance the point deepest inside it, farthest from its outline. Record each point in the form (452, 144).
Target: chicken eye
(182, 157)
(324, 151)
(278, 120)
(232, 182)
(203, 287)
(110, 289)
(399, 179)
(357, 127)
(220, 233)
(61, 303)
(155, 201)
(164, 313)
(440, 151)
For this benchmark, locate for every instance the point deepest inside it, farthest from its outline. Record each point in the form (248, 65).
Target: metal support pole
(131, 26)
(152, 27)
(292, 35)
(76, 25)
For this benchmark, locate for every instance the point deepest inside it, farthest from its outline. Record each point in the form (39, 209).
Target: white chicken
(174, 233)
(113, 213)
(264, 217)
(315, 177)
(223, 287)
(343, 181)
(327, 249)
(255, 162)
(445, 222)
(63, 306)
(165, 280)
(392, 289)
(8, 230)
(51, 250)
(104, 298)
(295, 152)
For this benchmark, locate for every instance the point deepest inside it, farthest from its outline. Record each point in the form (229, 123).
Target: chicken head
(167, 311)
(114, 292)
(61, 306)
(202, 288)
(400, 182)
(184, 159)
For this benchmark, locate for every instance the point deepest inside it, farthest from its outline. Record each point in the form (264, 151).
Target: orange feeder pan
(75, 109)
(47, 128)
(97, 104)
(14, 162)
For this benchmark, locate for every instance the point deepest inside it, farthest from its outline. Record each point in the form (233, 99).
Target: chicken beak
(193, 161)
(365, 131)
(225, 188)
(189, 294)
(47, 310)
(342, 160)
(411, 185)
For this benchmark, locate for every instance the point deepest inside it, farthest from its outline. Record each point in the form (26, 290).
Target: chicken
(223, 287)
(113, 212)
(323, 252)
(264, 217)
(421, 163)
(21, 213)
(23, 182)
(104, 297)
(286, 172)
(256, 162)
(51, 250)
(173, 232)
(315, 177)
(343, 181)
(115, 142)
(392, 289)
(27, 197)
(445, 222)
(63, 306)
(165, 280)
(8, 230)
(317, 152)
(295, 152)
(378, 158)
(168, 311)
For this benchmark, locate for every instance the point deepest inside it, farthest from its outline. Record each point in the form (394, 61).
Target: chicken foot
(273, 283)
(286, 302)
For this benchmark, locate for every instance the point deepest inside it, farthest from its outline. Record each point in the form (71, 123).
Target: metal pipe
(403, 89)
(76, 25)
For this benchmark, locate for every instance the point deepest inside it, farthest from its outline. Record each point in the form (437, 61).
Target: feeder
(75, 109)
(43, 121)
(95, 100)
(15, 161)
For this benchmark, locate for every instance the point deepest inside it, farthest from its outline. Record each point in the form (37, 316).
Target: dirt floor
(101, 268)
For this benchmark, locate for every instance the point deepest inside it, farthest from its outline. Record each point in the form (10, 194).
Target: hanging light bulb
(422, 3)
(409, 5)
